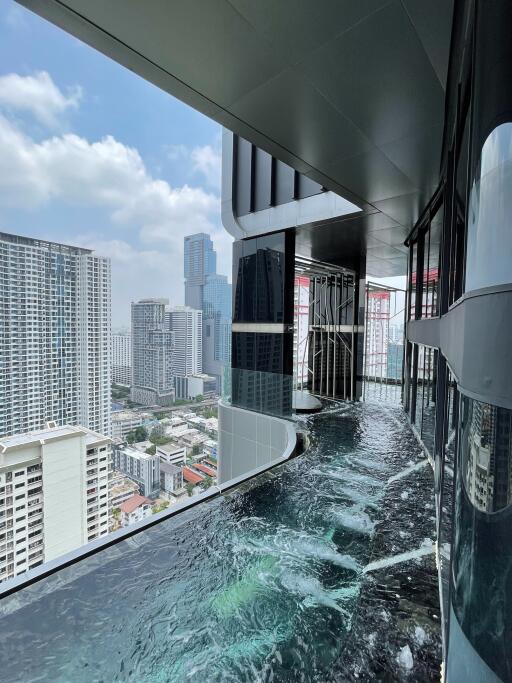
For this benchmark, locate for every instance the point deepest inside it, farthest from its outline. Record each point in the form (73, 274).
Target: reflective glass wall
(262, 331)
(482, 544)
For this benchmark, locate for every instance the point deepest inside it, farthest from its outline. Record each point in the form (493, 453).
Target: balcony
(306, 571)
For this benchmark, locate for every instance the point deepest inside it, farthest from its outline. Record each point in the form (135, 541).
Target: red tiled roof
(205, 469)
(191, 476)
(131, 504)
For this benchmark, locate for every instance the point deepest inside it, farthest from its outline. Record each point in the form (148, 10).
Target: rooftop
(191, 476)
(50, 433)
(120, 415)
(169, 468)
(133, 503)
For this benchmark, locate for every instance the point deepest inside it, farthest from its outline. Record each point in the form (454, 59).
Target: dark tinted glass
(482, 549)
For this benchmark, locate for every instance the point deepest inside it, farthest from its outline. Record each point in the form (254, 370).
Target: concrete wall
(64, 487)
(248, 440)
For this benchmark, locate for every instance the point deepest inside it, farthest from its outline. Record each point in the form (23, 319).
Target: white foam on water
(425, 549)
(314, 592)
(404, 658)
(354, 519)
(408, 470)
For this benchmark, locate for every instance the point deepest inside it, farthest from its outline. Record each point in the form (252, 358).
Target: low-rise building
(191, 476)
(191, 386)
(192, 439)
(201, 385)
(210, 449)
(141, 467)
(134, 509)
(124, 422)
(205, 469)
(172, 453)
(171, 479)
(122, 488)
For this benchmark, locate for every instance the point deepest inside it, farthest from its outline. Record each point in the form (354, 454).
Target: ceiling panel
(371, 175)
(206, 44)
(379, 76)
(295, 29)
(289, 109)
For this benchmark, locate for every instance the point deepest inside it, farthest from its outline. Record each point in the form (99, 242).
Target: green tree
(207, 482)
(195, 450)
(130, 437)
(116, 512)
(190, 487)
(158, 508)
(151, 450)
(199, 398)
(141, 433)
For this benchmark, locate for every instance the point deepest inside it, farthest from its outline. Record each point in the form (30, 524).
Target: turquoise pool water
(259, 585)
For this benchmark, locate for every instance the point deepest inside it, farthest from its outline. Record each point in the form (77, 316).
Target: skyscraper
(209, 292)
(200, 260)
(216, 324)
(186, 324)
(122, 359)
(152, 354)
(54, 336)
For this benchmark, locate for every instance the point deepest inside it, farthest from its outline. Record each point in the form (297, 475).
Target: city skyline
(94, 162)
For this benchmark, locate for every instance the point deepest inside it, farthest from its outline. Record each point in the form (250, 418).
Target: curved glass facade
(489, 247)
(482, 557)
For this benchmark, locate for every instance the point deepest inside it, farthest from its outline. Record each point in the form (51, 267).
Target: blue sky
(91, 154)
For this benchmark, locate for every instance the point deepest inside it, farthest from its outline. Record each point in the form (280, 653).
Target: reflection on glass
(412, 284)
(264, 392)
(429, 395)
(259, 279)
(419, 387)
(446, 498)
(489, 246)
(487, 458)
(482, 547)
(430, 293)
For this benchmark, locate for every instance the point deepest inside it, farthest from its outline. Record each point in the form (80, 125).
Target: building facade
(124, 422)
(152, 354)
(55, 336)
(54, 495)
(199, 261)
(187, 326)
(122, 359)
(217, 301)
(134, 509)
(142, 467)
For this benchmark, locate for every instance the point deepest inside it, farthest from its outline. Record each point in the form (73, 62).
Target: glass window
(429, 395)
(420, 381)
(446, 501)
(482, 548)
(489, 246)
(431, 294)
(412, 283)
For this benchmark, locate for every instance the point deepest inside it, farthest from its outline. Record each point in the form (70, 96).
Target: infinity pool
(258, 585)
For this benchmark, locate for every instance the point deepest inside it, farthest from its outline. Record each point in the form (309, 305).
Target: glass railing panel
(264, 392)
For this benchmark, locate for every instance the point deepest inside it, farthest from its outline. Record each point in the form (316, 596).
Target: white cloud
(144, 218)
(204, 161)
(207, 161)
(39, 96)
(139, 209)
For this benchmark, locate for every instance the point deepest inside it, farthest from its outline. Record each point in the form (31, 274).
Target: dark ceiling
(349, 92)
